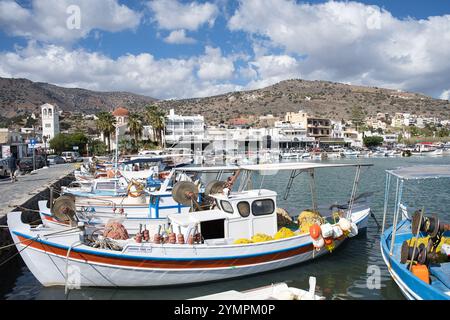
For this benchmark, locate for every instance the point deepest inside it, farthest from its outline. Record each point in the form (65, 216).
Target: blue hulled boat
(415, 248)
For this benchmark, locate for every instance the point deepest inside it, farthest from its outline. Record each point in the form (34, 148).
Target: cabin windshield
(263, 207)
(226, 206)
(244, 209)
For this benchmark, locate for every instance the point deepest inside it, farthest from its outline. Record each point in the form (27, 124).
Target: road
(28, 185)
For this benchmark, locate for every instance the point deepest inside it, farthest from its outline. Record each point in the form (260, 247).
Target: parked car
(4, 167)
(55, 159)
(26, 164)
(71, 156)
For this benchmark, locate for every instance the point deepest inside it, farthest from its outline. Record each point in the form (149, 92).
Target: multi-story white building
(185, 128)
(50, 120)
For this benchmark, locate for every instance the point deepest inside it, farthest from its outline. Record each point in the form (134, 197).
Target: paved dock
(15, 194)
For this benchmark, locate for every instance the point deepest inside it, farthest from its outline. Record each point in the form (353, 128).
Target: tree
(106, 124)
(135, 126)
(357, 116)
(97, 147)
(65, 142)
(373, 141)
(155, 117)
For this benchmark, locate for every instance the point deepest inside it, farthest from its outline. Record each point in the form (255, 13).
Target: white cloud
(445, 95)
(352, 42)
(214, 66)
(171, 14)
(271, 69)
(142, 73)
(179, 37)
(46, 20)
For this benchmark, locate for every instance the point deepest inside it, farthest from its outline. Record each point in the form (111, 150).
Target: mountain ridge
(320, 98)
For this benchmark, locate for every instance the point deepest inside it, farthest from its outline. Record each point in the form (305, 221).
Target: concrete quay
(25, 193)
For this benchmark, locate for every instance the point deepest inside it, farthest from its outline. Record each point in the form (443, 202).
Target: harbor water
(354, 271)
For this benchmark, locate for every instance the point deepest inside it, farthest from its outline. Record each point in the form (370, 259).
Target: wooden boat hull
(51, 259)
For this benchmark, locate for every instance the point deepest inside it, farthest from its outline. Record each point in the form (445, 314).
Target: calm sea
(340, 275)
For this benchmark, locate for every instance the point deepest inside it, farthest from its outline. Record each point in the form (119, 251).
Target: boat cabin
(237, 215)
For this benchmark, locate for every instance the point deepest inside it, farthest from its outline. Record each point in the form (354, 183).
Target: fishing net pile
(283, 218)
(424, 241)
(115, 230)
(307, 218)
(261, 237)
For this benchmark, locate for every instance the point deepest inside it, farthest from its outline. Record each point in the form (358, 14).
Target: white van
(71, 156)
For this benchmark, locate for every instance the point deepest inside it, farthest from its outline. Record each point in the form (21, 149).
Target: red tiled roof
(239, 121)
(120, 112)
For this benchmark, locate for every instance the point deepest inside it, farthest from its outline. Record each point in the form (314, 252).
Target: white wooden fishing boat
(207, 246)
(278, 291)
(148, 208)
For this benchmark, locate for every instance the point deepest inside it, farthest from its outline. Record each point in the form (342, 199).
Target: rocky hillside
(20, 96)
(320, 98)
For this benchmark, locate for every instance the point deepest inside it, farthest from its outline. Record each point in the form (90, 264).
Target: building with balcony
(183, 128)
(318, 127)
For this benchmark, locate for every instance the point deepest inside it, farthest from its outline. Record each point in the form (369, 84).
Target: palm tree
(106, 123)
(135, 126)
(155, 117)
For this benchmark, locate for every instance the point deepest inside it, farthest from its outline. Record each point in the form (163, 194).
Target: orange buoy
(328, 241)
(421, 272)
(315, 231)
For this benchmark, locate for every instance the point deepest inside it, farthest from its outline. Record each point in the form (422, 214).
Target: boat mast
(117, 152)
(354, 190)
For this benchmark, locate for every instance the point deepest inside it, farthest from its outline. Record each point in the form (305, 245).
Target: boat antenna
(312, 185)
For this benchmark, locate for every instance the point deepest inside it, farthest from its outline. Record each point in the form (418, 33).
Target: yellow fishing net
(242, 241)
(444, 240)
(307, 218)
(261, 237)
(284, 233)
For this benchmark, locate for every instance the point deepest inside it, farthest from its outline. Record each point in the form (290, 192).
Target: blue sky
(178, 49)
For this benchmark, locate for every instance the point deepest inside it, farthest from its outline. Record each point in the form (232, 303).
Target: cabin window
(226, 206)
(244, 209)
(263, 207)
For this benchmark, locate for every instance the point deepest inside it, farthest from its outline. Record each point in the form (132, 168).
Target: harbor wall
(29, 216)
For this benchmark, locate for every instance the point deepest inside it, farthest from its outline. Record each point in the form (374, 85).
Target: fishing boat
(415, 248)
(349, 153)
(133, 207)
(237, 236)
(278, 291)
(426, 149)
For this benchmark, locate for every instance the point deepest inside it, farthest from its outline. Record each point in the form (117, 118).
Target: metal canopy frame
(295, 172)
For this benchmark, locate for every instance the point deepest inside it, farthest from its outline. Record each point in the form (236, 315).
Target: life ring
(111, 174)
(139, 189)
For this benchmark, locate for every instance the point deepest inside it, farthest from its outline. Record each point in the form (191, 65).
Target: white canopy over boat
(421, 172)
(298, 166)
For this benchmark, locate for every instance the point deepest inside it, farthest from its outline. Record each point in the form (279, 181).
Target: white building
(186, 128)
(50, 120)
(121, 114)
